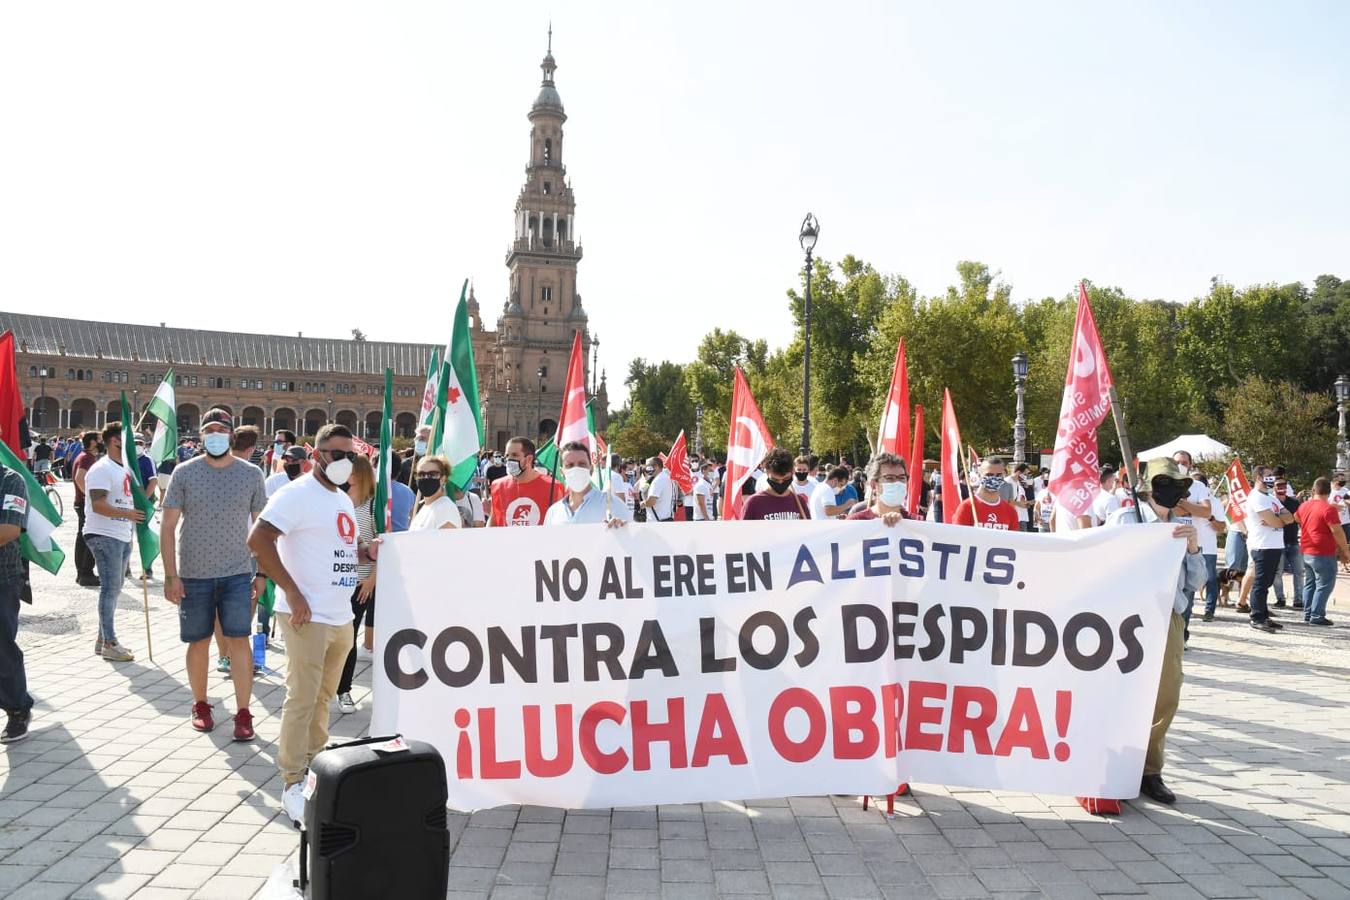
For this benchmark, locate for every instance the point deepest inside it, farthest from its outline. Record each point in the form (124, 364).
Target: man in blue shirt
(583, 504)
(401, 500)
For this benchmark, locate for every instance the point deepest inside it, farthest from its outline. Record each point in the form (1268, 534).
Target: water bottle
(260, 647)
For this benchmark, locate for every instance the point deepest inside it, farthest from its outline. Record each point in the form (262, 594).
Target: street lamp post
(698, 429)
(539, 405)
(42, 380)
(1019, 363)
(510, 431)
(136, 409)
(330, 410)
(1342, 395)
(809, 232)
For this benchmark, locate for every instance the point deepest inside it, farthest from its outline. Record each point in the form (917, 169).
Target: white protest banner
(574, 666)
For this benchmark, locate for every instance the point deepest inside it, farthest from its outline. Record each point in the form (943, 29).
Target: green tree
(1276, 423)
(659, 397)
(710, 380)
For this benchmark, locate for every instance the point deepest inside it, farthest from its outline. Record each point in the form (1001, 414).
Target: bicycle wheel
(55, 498)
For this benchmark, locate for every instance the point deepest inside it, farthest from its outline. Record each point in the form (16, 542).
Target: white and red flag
(572, 421)
(747, 442)
(915, 469)
(951, 459)
(1238, 488)
(677, 464)
(893, 435)
(1075, 468)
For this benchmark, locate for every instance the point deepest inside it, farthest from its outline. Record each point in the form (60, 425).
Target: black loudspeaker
(375, 821)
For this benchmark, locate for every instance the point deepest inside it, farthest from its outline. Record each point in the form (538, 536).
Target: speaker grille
(334, 838)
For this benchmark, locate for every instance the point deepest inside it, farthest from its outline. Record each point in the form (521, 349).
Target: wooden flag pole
(145, 600)
(1126, 453)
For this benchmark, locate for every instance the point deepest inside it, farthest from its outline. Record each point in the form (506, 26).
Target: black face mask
(801, 476)
(345, 487)
(779, 486)
(1168, 494)
(428, 486)
(292, 470)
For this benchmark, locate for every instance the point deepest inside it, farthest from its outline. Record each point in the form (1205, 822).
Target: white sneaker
(293, 802)
(346, 705)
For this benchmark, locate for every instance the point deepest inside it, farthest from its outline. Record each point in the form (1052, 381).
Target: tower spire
(550, 37)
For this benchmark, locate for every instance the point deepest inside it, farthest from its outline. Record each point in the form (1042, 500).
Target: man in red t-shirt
(778, 500)
(525, 494)
(986, 508)
(84, 557)
(1322, 541)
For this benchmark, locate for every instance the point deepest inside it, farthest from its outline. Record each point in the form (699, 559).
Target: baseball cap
(218, 416)
(294, 453)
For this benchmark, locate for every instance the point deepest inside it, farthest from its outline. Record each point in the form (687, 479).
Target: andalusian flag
(165, 410)
(146, 539)
(432, 388)
(35, 541)
(457, 429)
(382, 495)
(599, 450)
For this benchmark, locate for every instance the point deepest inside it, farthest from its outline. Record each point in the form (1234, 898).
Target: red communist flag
(572, 419)
(915, 468)
(677, 464)
(893, 436)
(1075, 468)
(951, 459)
(11, 404)
(747, 442)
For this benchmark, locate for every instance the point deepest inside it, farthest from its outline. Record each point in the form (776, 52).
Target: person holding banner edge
(1161, 491)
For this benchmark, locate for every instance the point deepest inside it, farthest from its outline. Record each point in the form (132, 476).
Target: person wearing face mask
(208, 569)
(1340, 498)
(660, 500)
(419, 449)
(1266, 518)
(888, 489)
(826, 502)
(704, 492)
(292, 467)
(621, 483)
(282, 441)
(306, 540)
(524, 494)
(1292, 559)
(1161, 491)
(434, 507)
(583, 504)
(777, 501)
(986, 508)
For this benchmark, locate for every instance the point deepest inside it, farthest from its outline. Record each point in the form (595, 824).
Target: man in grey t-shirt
(210, 577)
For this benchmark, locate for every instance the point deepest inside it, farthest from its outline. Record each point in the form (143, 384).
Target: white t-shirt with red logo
(317, 546)
(106, 475)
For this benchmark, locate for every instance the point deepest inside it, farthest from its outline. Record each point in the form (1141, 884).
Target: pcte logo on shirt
(346, 528)
(522, 511)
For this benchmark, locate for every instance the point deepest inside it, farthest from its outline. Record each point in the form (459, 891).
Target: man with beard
(778, 500)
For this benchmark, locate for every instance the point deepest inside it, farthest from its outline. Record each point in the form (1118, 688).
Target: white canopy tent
(1199, 446)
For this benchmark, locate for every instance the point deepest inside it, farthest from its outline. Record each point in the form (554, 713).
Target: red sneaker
(201, 716)
(243, 725)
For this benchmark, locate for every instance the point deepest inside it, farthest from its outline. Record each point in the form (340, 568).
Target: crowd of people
(241, 521)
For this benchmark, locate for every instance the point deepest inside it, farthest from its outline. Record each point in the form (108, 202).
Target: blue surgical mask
(216, 443)
(894, 493)
(420, 447)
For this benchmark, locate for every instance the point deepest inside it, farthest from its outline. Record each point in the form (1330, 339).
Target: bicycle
(48, 481)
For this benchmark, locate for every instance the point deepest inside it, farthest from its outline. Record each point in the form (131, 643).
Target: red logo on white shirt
(346, 528)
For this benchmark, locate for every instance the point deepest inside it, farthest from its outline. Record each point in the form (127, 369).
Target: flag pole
(145, 601)
(1128, 454)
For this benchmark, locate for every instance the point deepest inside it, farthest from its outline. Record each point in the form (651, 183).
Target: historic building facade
(72, 372)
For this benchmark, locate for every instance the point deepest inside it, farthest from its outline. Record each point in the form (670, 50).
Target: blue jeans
(1235, 551)
(13, 681)
(1212, 585)
(1292, 560)
(1267, 566)
(111, 556)
(229, 599)
(1320, 578)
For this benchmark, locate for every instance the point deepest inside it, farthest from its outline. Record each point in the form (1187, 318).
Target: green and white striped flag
(457, 430)
(35, 543)
(147, 542)
(382, 506)
(165, 410)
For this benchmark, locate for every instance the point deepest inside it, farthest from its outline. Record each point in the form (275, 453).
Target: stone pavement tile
(736, 859)
(151, 892)
(632, 882)
(684, 849)
(1149, 872)
(517, 892)
(575, 842)
(675, 829)
(44, 890)
(74, 869)
(678, 870)
(111, 886)
(147, 862)
(1286, 865)
(1110, 881)
(477, 836)
(588, 862)
(996, 880)
(520, 873)
(627, 858)
(1173, 891)
(183, 875)
(228, 887)
(943, 864)
(14, 876)
(1083, 860)
(741, 882)
(209, 853)
(957, 886)
(799, 892)
(529, 851)
(1320, 888)
(793, 873)
(784, 851)
(687, 891)
(169, 839)
(637, 837)
(576, 887)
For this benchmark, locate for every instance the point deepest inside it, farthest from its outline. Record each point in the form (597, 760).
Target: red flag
(572, 419)
(951, 459)
(974, 458)
(916, 473)
(893, 437)
(747, 442)
(11, 404)
(1238, 490)
(677, 464)
(1075, 467)
(362, 447)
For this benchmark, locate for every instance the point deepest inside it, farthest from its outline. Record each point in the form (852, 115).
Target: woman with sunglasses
(434, 508)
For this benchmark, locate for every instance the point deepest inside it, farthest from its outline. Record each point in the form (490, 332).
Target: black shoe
(1277, 625)
(88, 581)
(1298, 604)
(1208, 617)
(1279, 603)
(1266, 626)
(1152, 786)
(1320, 620)
(17, 729)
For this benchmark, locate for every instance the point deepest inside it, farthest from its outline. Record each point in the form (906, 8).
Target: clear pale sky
(323, 166)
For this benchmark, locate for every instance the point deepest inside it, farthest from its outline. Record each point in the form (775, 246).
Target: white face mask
(578, 478)
(420, 447)
(513, 468)
(217, 444)
(339, 471)
(894, 493)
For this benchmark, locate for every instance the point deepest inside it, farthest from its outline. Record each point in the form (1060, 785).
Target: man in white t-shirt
(1340, 497)
(660, 502)
(1266, 518)
(1106, 501)
(704, 492)
(108, 524)
(306, 541)
(823, 498)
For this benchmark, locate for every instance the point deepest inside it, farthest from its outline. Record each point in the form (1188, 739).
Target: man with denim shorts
(211, 577)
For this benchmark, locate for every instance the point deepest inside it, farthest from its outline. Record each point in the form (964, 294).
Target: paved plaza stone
(114, 795)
